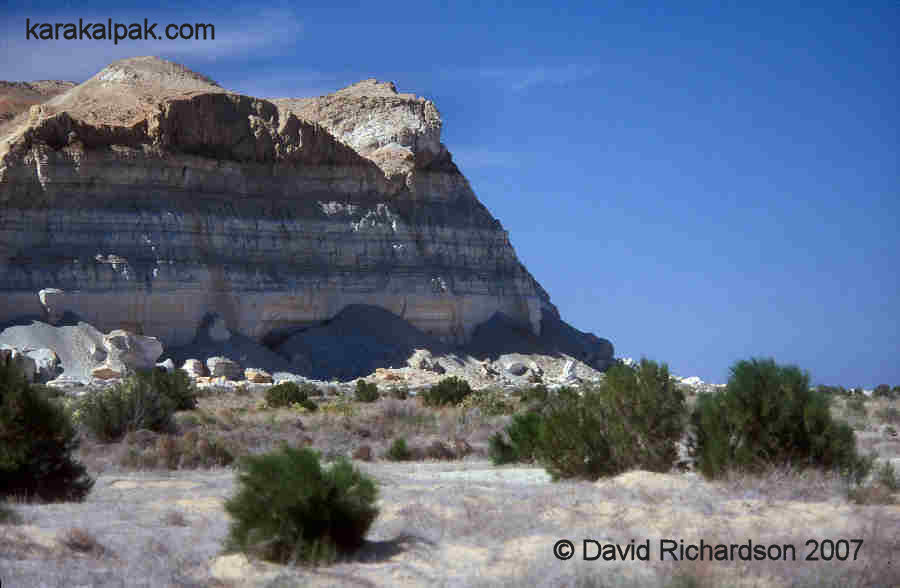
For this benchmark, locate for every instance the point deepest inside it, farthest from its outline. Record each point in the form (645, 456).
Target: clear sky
(698, 183)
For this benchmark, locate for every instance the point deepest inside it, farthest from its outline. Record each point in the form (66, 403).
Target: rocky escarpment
(149, 196)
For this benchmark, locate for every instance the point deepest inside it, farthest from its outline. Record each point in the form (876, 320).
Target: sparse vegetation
(449, 391)
(131, 405)
(37, 441)
(518, 442)
(766, 416)
(175, 385)
(490, 401)
(189, 451)
(399, 451)
(631, 420)
(365, 391)
(289, 509)
(288, 393)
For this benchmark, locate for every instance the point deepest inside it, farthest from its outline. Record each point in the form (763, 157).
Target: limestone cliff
(149, 196)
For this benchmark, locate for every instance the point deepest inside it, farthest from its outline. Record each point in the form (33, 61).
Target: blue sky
(698, 183)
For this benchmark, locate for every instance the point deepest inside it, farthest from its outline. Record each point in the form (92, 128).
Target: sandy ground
(461, 524)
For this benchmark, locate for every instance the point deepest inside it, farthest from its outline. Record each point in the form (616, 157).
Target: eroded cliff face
(149, 196)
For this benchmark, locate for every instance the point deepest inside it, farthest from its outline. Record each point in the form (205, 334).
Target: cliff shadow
(501, 335)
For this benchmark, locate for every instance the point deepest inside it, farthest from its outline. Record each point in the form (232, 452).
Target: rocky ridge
(149, 198)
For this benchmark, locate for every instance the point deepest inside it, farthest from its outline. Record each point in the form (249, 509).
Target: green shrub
(37, 439)
(885, 391)
(8, 516)
(534, 394)
(520, 441)
(289, 509)
(490, 401)
(176, 386)
(889, 414)
(366, 392)
(449, 391)
(887, 477)
(131, 405)
(399, 392)
(307, 404)
(286, 394)
(399, 451)
(767, 415)
(630, 420)
(857, 404)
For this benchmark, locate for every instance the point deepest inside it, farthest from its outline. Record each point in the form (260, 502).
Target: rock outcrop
(148, 198)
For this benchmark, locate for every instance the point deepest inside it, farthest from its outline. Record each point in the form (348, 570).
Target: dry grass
(81, 541)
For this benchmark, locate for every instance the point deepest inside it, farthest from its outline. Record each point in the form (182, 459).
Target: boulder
(105, 372)
(128, 351)
(257, 376)
(97, 353)
(47, 364)
(194, 368)
(568, 374)
(167, 365)
(516, 368)
(224, 367)
(25, 363)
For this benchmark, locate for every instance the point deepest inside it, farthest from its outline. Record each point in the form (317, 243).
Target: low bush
(888, 414)
(289, 509)
(308, 405)
(399, 393)
(767, 415)
(287, 393)
(856, 405)
(399, 451)
(887, 477)
(366, 392)
(630, 420)
(490, 401)
(8, 516)
(533, 394)
(885, 391)
(518, 442)
(190, 451)
(37, 440)
(175, 385)
(131, 405)
(449, 391)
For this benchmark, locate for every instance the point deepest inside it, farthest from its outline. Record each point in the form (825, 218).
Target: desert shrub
(767, 415)
(856, 404)
(285, 394)
(490, 401)
(291, 509)
(632, 419)
(449, 391)
(518, 442)
(399, 393)
(175, 385)
(189, 451)
(37, 439)
(884, 391)
(534, 394)
(888, 414)
(131, 405)
(308, 405)
(399, 451)
(886, 476)
(366, 392)
(8, 516)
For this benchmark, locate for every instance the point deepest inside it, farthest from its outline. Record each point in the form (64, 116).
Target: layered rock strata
(149, 197)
